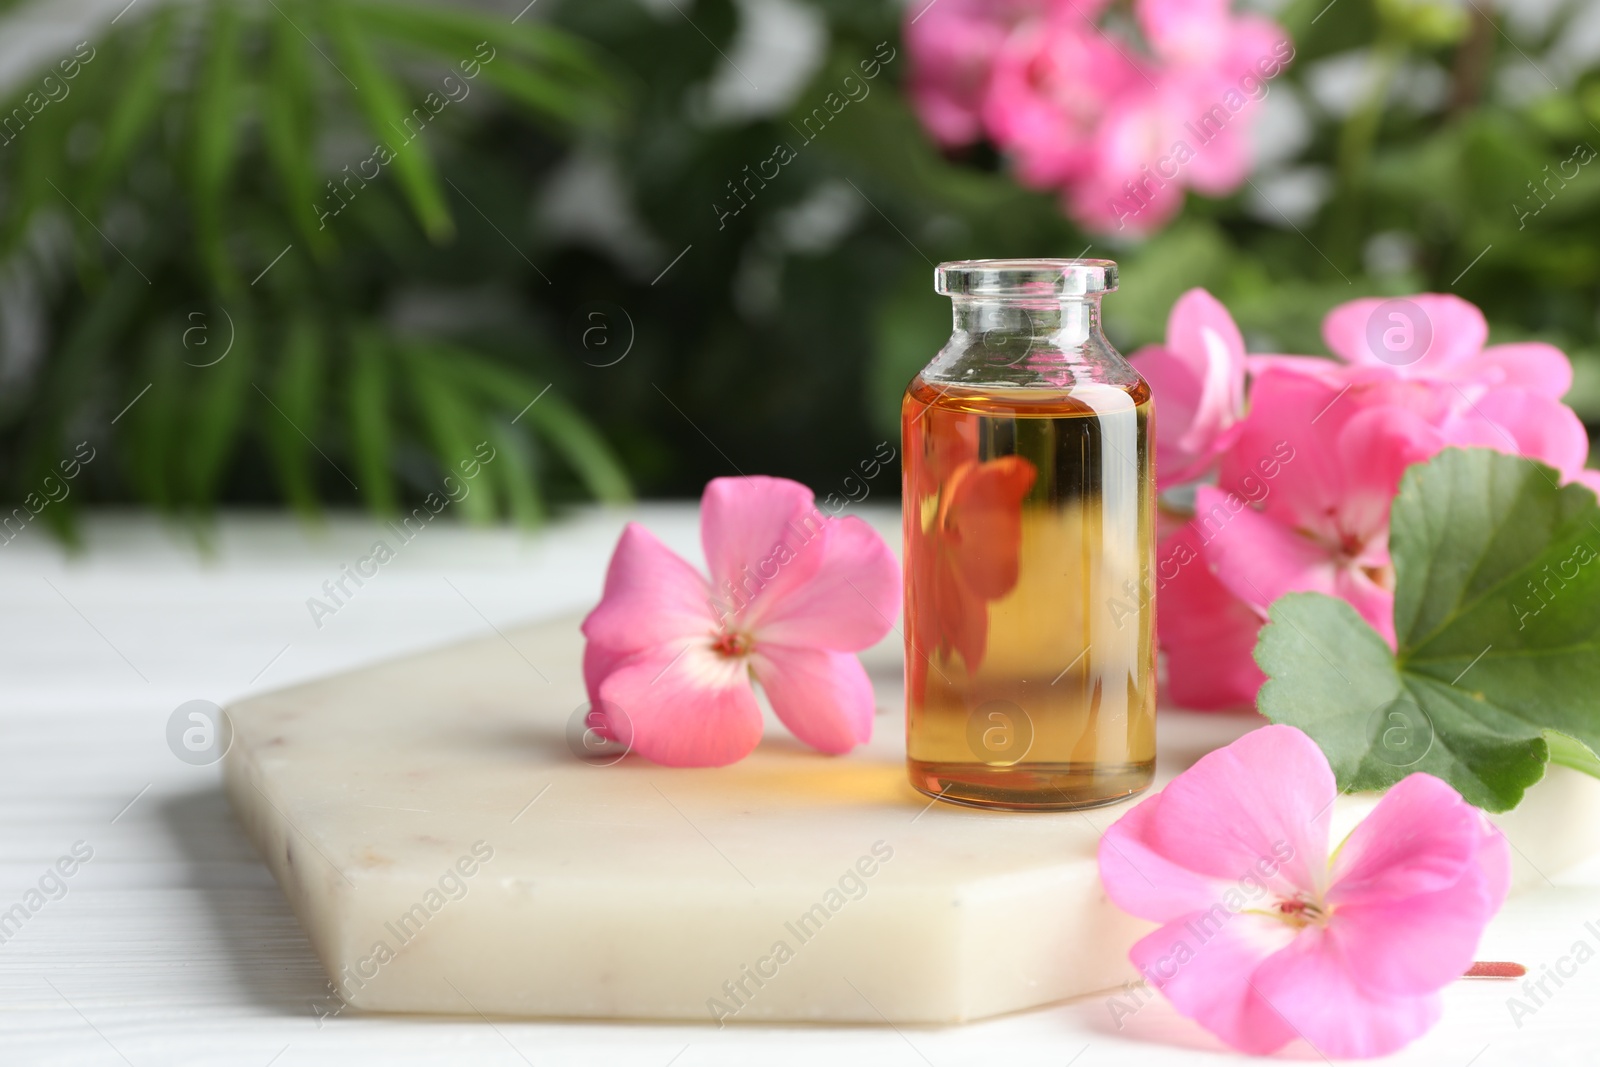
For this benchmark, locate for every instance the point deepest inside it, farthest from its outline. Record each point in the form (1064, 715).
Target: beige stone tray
(447, 852)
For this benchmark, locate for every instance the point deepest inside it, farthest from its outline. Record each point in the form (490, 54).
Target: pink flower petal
(1202, 963)
(1324, 464)
(1311, 985)
(1526, 424)
(951, 46)
(1415, 945)
(1145, 883)
(1208, 634)
(1429, 333)
(1052, 81)
(1201, 328)
(598, 662)
(1176, 386)
(1531, 365)
(1221, 164)
(1494, 860)
(1327, 371)
(1375, 447)
(1258, 559)
(824, 698)
(1266, 799)
(1099, 200)
(762, 538)
(685, 705)
(1414, 886)
(982, 517)
(1432, 401)
(1421, 838)
(1297, 454)
(1197, 380)
(651, 596)
(1283, 454)
(1185, 31)
(1373, 602)
(849, 604)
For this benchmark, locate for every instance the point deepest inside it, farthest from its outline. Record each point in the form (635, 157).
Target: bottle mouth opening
(1026, 279)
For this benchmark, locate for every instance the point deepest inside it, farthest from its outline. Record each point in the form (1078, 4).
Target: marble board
(448, 851)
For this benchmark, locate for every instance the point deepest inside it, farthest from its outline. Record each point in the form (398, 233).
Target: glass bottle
(1029, 507)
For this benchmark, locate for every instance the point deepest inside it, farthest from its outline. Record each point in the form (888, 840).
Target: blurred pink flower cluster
(1121, 115)
(1295, 460)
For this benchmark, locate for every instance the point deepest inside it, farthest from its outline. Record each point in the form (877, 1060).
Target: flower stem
(1570, 752)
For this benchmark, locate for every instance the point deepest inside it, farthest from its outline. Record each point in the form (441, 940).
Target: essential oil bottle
(1029, 509)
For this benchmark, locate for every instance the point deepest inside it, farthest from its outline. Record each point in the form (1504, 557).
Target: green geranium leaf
(1497, 615)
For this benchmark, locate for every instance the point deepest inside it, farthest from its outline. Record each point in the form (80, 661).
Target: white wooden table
(172, 944)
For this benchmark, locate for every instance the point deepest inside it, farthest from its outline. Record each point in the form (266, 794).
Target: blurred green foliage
(805, 381)
(226, 211)
(459, 284)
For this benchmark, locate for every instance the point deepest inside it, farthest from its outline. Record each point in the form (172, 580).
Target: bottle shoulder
(1034, 364)
(1086, 395)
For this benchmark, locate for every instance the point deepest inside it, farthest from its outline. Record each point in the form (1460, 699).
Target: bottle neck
(1004, 324)
(1052, 343)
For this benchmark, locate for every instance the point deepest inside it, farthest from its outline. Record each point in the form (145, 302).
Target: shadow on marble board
(784, 770)
(546, 744)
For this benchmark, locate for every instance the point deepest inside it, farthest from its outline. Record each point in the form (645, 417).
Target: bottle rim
(1025, 278)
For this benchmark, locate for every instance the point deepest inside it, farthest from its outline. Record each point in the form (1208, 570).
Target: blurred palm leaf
(192, 166)
(370, 438)
(218, 102)
(384, 103)
(295, 416)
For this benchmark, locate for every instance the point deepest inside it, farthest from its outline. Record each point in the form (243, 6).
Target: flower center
(1346, 547)
(732, 644)
(1300, 912)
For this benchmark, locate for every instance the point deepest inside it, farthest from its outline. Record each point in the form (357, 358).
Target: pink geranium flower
(1121, 116)
(1322, 523)
(1266, 936)
(1184, 122)
(1053, 81)
(793, 595)
(953, 44)
(1427, 352)
(1440, 337)
(1306, 461)
(1301, 504)
(1197, 382)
